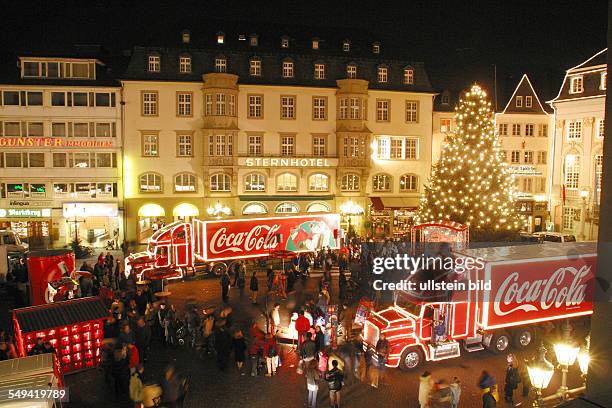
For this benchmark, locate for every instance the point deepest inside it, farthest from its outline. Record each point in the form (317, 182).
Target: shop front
(94, 224)
(391, 217)
(150, 218)
(535, 212)
(32, 225)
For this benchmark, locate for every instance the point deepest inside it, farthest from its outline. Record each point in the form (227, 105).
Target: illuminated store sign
(51, 142)
(90, 210)
(287, 162)
(25, 212)
(525, 170)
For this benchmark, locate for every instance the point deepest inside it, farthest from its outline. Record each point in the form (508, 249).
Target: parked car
(12, 241)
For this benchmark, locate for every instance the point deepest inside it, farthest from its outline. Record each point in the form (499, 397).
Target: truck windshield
(406, 302)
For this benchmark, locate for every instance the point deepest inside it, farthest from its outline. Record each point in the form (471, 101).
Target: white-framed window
(502, 129)
(570, 214)
(254, 208)
(381, 182)
(255, 106)
(542, 157)
(446, 125)
(220, 104)
(286, 182)
(355, 108)
(287, 208)
(601, 127)
(528, 101)
(350, 182)
(185, 64)
(318, 182)
(408, 76)
(598, 175)
(409, 182)
(184, 102)
(412, 111)
(515, 156)
(208, 104)
(346, 46)
(154, 63)
(220, 182)
(529, 129)
(572, 171)
(397, 148)
(319, 71)
(81, 160)
(519, 101)
(231, 105)
(287, 145)
(220, 145)
(343, 108)
(351, 71)
(382, 110)
(318, 146)
(576, 84)
(185, 182)
(376, 48)
(528, 157)
(603, 80)
(527, 185)
(150, 145)
(255, 143)
(543, 130)
(516, 129)
(383, 75)
(220, 64)
(284, 42)
(288, 69)
(150, 183)
(58, 69)
(255, 67)
(149, 103)
(351, 147)
(574, 129)
(254, 182)
(319, 107)
(287, 107)
(184, 145)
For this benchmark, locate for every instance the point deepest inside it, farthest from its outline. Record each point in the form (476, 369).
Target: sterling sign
(287, 162)
(51, 142)
(524, 170)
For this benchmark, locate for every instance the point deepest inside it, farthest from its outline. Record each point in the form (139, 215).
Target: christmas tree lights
(470, 184)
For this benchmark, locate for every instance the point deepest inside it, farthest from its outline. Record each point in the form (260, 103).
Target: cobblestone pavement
(211, 388)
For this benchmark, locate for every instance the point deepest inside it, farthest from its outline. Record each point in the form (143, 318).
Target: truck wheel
(219, 269)
(523, 338)
(411, 359)
(500, 343)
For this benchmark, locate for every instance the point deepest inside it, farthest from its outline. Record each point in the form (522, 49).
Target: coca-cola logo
(258, 238)
(554, 291)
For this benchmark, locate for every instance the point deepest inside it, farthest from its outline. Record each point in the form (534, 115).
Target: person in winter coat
(225, 286)
(255, 349)
(312, 384)
(133, 357)
(121, 371)
(425, 388)
(442, 396)
(302, 325)
(335, 379)
(455, 388)
(309, 348)
(241, 279)
(223, 344)
(488, 398)
(172, 388)
(270, 352)
(486, 381)
(137, 387)
(142, 335)
(254, 287)
(319, 339)
(239, 346)
(512, 379)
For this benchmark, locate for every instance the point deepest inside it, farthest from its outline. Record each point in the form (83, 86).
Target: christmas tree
(470, 184)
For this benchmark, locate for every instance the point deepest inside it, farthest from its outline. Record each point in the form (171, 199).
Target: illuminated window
(184, 145)
(150, 145)
(446, 125)
(220, 38)
(220, 104)
(220, 182)
(346, 46)
(409, 78)
(528, 157)
(286, 182)
(603, 81)
(255, 182)
(254, 208)
(351, 71)
(572, 171)
(409, 182)
(185, 182)
(381, 182)
(343, 108)
(383, 75)
(287, 69)
(319, 71)
(570, 214)
(412, 111)
(150, 183)
(601, 127)
(515, 156)
(317, 207)
(154, 63)
(255, 67)
(350, 182)
(576, 84)
(185, 65)
(356, 110)
(220, 64)
(318, 182)
(543, 130)
(351, 147)
(208, 105)
(287, 208)
(542, 157)
(315, 44)
(253, 40)
(284, 42)
(598, 175)
(574, 129)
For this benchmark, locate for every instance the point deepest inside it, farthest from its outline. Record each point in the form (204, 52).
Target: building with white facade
(271, 124)
(579, 112)
(60, 150)
(524, 129)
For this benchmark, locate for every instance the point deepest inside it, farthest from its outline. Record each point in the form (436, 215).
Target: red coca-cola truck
(181, 245)
(529, 285)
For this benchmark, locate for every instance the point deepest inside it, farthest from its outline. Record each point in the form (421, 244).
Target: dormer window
(285, 42)
(220, 38)
(603, 81)
(445, 99)
(408, 76)
(351, 71)
(241, 37)
(220, 64)
(253, 40)
(576, 84)
(288, 69)
(186, 36)
(185, 64)
(376, 48)
(383, 75)
(315, 44)
(519, 101)
(77, 69)
(154, 63)
(255, 67)
(346, 46)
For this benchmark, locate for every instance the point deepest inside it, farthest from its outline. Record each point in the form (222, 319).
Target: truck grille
(370, 333)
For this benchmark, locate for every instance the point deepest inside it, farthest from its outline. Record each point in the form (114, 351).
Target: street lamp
(218, 210)
(584, 194)
(540, 372)
(348, 209)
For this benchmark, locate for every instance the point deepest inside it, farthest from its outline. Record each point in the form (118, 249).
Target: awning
(395, 203)
(35, 318)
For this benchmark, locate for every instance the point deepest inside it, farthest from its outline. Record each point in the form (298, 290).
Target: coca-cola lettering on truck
(529, 285)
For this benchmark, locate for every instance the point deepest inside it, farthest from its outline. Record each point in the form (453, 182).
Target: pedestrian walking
(255, 350)
(271, 355)
(223, 343)
(512, 378)
(425, 388)
(275, 319)
(455, 388)
(488, 398)
(241, 279)
(335, 379)
(382, 354)
(137, 387)
(239, 345)
(302, 325)
(442, 395)
(312, 384)
(254, 287)
(225, 286)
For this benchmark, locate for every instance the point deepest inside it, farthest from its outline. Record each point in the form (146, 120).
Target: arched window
(287, 208)
(350, 182)
(185, 182)
(151, 183)
(317, 207)
(254, 208)
(255, 182)
(185, 64)
(286, 182)
(318, 182)
(351, 70)
(220, 182)
(408, 76)
(409, 182)
(572, 171)
(220, 63)
(381, 182)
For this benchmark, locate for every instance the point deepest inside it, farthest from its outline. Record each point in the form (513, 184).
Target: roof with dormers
(523, 90)
(591, 71)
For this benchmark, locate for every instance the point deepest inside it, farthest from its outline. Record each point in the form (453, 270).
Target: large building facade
(579, 112)
(238, 126)
(60, 151)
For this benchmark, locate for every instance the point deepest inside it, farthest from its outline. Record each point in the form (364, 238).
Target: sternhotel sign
(288, 162)
(51, 142)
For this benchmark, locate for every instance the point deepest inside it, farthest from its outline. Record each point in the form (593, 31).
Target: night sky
(459, 41)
